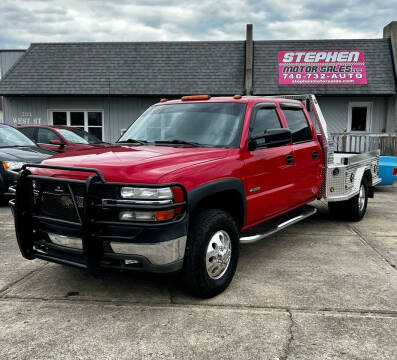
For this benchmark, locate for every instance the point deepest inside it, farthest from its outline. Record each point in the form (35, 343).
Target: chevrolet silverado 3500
(186, 184)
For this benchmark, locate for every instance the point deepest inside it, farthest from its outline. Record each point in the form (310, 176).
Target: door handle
(289, 159)
(315, 155)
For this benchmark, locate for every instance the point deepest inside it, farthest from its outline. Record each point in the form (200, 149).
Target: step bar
(280, 224)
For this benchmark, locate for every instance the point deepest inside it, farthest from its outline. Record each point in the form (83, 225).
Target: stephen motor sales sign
(329, 67)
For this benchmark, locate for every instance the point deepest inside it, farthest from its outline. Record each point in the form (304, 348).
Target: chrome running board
(270, 227)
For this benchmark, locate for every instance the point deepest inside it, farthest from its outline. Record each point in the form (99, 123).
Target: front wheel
(211, 254)
(353, 209)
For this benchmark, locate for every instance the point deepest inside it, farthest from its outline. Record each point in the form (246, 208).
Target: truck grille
(55, 200)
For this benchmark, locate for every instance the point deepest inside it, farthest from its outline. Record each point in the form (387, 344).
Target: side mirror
(57, 142)
(270, 138)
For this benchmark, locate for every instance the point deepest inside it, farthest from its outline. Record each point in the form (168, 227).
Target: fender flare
(212, 188)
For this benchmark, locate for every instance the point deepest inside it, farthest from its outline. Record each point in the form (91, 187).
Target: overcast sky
(25, 21)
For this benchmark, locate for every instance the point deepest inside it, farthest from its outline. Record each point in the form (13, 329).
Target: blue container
(387, 164)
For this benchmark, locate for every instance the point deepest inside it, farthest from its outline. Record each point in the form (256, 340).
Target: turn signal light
(394, 171)
(165, 215)
(195, 97)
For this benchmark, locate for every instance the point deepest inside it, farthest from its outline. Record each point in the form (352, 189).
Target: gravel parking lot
(319, 290)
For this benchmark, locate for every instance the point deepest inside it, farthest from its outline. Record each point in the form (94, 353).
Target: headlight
(13, 165)
(146, 193)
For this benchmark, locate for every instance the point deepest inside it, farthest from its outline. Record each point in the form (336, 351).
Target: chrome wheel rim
(218, 254)
(361, 198)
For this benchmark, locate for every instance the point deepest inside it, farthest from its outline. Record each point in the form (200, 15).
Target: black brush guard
(29, 221)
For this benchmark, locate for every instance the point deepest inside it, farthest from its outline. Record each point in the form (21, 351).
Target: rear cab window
(297, 123)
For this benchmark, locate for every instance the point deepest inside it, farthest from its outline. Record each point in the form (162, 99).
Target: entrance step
(270, 227)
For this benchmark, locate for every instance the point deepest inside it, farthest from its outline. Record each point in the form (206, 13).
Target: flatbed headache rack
(29, 220)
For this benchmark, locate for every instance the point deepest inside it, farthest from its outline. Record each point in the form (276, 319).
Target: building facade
(7, 59)
(104, 87)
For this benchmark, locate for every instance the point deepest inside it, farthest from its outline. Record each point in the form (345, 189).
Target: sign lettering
(346, 67)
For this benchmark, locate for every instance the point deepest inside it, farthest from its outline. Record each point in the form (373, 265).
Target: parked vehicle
(15, 151)
(61, 138)
(387, 170)
(186, 185)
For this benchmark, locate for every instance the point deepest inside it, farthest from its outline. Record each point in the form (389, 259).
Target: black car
(15, 150)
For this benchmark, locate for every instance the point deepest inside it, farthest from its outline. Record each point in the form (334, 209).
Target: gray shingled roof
(377, 56)
(152, 68)
(177, 68)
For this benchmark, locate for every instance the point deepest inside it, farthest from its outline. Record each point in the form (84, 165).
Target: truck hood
(135, 164)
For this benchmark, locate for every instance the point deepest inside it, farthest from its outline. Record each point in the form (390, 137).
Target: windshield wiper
(142, 142)
(178, 142)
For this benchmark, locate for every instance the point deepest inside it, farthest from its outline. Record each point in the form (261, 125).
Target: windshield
(78, 136)
(198, 124)
(10, 137)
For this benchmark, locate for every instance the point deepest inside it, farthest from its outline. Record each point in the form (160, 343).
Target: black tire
(350, 210)
(203, 228)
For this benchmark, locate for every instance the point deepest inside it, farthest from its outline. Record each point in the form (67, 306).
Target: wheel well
(229, 201)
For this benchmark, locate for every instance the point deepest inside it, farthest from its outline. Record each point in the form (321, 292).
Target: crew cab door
(306, 151)
(267, 169)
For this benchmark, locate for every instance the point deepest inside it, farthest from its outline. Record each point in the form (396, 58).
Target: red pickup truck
(185, 185)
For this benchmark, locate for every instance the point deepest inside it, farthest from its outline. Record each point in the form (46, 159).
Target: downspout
(249, 56)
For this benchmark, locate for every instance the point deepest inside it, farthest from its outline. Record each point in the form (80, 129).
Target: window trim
(86, 126)
(368, 123)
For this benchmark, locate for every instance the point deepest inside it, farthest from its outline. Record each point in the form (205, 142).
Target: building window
(90, 121)
(359, 117)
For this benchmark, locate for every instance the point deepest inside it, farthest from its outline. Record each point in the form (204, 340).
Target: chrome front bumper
(160, 253)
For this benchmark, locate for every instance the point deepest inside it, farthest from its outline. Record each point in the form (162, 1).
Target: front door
(307, 154)
(268, 170)
(44, 137)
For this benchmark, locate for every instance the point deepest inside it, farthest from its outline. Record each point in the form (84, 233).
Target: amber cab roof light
(195, 97)
(163, 100)
(237, 96)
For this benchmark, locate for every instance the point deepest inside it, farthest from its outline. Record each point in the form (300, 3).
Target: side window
(45, 136)
(29, 132)
(265, 119)
(298, 125)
